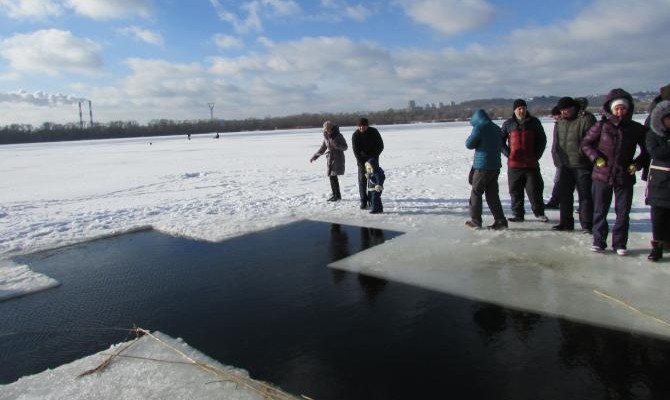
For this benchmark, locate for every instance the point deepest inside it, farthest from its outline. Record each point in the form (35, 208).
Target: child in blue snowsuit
(376, 177)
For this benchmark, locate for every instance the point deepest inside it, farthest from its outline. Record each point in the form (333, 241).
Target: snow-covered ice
(151, 367)
(19, 280)
(55, 194)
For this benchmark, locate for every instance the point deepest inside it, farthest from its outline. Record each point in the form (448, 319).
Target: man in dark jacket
(367, 144)
(524, 142)
(611, 144)
(575, 166)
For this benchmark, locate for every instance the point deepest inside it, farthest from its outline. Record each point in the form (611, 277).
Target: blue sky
(151, 59)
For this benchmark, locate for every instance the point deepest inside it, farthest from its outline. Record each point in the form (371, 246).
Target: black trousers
(335, 186)
(660, 223)
(530, 180)
(485, 182)
(570, 179)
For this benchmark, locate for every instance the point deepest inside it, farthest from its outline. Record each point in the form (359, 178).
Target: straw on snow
(266, 390)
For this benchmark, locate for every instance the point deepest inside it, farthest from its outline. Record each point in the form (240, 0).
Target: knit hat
(519, 103)
(566, 102)
(617, 102)
(583, 102)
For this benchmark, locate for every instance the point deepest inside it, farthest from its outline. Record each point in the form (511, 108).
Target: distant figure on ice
(574, 165)
(658, 182)
(524, 142)
(334, 145)
(375, 176)
(217, 135)
(367, 143)
(189, 136)
(611, 145)
(485, 140)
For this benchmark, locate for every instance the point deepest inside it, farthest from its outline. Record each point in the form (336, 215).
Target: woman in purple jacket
(611, 144)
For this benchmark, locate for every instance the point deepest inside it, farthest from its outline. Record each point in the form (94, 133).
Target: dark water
(267, 302)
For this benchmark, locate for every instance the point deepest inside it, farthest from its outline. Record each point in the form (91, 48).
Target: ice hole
(268, 303)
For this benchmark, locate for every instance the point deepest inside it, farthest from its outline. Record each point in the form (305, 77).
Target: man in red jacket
(524, 142)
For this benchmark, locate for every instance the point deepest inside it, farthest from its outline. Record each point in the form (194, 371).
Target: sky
(143, 60)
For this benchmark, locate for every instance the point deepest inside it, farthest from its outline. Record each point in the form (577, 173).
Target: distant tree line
(497, 108)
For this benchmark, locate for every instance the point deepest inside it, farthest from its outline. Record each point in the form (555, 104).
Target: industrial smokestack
(90, 112)
(81, 118)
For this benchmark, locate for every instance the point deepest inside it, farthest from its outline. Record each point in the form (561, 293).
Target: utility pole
(211, 118)
(211, 113)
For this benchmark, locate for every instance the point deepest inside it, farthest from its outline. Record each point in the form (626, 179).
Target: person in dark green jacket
(575, 166)
(485, 139)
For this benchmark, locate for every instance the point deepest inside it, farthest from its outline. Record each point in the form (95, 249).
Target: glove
(378, 188)
(313, 158)
(632, 169)
(600, 162)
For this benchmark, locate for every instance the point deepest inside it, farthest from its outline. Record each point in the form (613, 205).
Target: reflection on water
(267, 303)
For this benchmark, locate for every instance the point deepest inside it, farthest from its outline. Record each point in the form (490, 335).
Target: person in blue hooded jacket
(485, 139)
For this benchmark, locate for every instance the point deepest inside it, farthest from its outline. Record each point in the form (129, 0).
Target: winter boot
(656, 251)
(499, 225)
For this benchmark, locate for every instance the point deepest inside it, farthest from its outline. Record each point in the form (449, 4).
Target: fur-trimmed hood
(618, 94)
(660, 111)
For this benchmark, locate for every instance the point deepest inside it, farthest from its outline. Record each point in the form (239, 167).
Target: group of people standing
(599, 158)
(367, 146)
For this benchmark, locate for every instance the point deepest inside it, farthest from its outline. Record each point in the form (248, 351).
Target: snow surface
(55, 194)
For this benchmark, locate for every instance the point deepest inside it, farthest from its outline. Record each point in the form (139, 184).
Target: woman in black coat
(658, 182)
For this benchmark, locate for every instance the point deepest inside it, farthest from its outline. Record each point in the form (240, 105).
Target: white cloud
(358, 12)
(310, 73)
(111, 9)
(143, 35)
(30, 9)
(282, 7)
(226, 41)
(162, 78)
(451, 17)
(256, 11)
(51, 51)
(341, 9)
